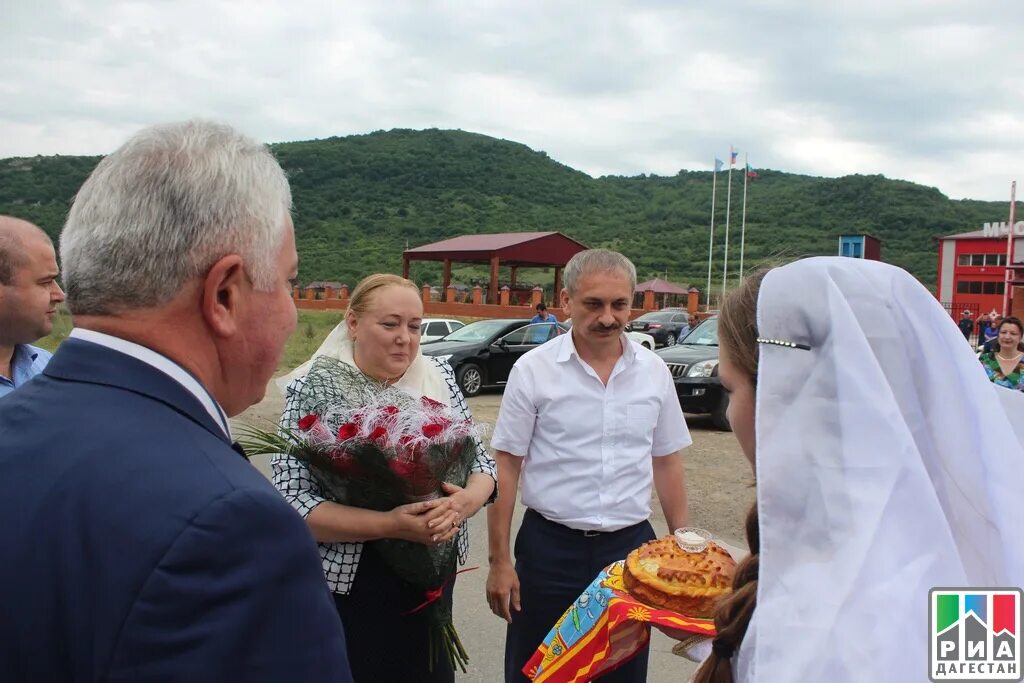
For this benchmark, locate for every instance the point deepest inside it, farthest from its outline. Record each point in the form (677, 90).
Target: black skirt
(386, 645)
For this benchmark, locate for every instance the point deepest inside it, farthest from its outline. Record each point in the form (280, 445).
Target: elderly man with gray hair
(140, 544)
(589, 422)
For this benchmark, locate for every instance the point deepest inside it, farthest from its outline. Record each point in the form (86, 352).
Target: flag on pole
(751, 173)
(732, 156)
(718, 164)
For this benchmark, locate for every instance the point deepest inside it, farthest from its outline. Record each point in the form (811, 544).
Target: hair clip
(783, 342)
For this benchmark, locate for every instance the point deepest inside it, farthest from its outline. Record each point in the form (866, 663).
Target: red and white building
(974, 273)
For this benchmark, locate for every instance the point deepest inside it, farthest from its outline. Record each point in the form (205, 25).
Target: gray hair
(597, 261)
(165, 207)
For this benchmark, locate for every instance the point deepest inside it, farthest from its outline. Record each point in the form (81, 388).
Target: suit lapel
(81, 361)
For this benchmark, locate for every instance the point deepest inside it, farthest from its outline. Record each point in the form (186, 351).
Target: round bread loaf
(661, 574)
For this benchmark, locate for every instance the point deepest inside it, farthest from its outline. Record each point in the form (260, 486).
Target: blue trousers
(555, 564)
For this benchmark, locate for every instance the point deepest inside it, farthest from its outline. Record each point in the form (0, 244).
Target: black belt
(585, 533)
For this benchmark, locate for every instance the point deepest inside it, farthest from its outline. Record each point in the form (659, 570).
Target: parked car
(694, 366)
(432, 329)
(665, 325)
(643, 339)
(482, 353)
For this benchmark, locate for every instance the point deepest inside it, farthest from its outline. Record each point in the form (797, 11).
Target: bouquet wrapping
(377, 447)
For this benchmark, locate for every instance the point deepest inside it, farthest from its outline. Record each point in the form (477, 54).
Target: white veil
(421, 379)
(887, 464)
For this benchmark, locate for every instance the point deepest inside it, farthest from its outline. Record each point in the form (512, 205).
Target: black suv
(694, 365)
(482, 353)
(666, 326)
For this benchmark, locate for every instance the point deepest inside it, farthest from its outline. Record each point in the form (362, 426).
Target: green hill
(359, 200)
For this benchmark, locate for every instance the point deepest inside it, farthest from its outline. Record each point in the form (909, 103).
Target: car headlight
(705, 368)
(444, 357)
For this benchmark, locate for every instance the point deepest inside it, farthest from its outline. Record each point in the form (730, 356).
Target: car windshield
(481, 330)
(660, 317)
(705, 334)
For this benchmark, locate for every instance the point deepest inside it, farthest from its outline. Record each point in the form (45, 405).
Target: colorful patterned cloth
(604, 628)
(1015, 380)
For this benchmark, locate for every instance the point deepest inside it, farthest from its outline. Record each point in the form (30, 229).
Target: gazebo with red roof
(663, 287)
(514, 249)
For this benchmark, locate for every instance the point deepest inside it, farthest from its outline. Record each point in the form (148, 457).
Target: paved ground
(720, 489)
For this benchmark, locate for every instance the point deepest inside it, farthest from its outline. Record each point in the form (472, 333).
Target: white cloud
(926, 90)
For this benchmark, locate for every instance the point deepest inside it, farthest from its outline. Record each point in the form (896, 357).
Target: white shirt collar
(161, 363)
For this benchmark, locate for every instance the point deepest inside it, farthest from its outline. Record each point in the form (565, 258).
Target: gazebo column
(446, 278)
(558, 287)
(405, 267)
(492, 292)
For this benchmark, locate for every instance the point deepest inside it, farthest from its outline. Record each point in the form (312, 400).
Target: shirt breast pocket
(641, 418)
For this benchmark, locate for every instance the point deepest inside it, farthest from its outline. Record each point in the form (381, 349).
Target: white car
(432, 329)
(642, 339)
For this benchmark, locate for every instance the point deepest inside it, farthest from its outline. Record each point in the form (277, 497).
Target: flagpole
(1008, 287)
(743, 221)
(728, 203)
(711, 240)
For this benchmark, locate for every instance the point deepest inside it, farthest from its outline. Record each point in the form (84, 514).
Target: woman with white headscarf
(380, 339)
(881, 473)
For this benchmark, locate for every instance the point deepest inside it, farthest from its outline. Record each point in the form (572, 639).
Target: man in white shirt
(589, 422)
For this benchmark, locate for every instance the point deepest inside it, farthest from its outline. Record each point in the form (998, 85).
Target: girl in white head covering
(886, 465)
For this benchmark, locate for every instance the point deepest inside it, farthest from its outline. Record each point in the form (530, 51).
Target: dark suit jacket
(138, 546)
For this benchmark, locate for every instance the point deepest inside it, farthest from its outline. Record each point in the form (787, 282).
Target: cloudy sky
(926, 90)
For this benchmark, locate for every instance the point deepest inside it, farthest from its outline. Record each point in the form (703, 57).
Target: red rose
(431, 403)
(347, 431)
(403, 468)
(378, 434)
(343, 463)
(409, 447)
(307, 423)
(432, 429)
(389, 410)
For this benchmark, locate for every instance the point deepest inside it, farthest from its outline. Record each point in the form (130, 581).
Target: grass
(313, 328)
(61, 330)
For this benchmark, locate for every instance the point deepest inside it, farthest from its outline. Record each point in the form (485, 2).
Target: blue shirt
(27, 362)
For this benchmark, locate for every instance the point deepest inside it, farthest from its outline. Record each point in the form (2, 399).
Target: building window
(978, 287)
(846, 248)
(981, 260)
(856, 250)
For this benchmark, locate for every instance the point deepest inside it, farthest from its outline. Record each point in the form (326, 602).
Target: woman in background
(1004, 364)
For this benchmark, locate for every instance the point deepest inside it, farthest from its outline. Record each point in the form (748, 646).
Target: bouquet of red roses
(378, 447)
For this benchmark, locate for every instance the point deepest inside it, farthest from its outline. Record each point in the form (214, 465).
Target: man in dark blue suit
(139, 545)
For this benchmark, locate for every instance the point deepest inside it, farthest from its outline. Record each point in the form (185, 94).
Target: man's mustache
(602, 328)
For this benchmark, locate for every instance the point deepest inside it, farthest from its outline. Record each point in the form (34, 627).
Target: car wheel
(470, 379)
(670, 339)
(719, 418)
(647, 345)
